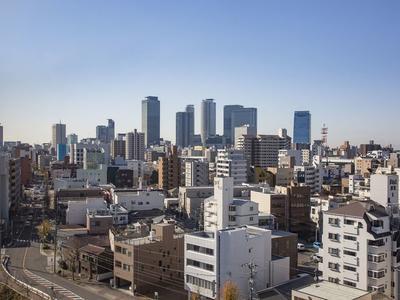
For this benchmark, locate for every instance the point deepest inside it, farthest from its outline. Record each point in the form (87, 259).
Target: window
(333, 251)
(140, 203)
(200, 249)
(334, 280)
(251, 218)
(376, 257)
(232, 218)
(199, 282)
(350, 237)
(118, 264)
(333, 266)
(201, 265)
(251, 208)
(333, 221)
(333, 236)
(349, 268)
(377, 223)
(349, 222)
(376, 274)
(376, 243)
(351, 253)
(232, 208)
(118, 249)
(349, 283)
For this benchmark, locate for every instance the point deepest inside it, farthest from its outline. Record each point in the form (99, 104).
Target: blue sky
(85, 61)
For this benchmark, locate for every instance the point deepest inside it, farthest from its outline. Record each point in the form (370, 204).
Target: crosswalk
(56, 288)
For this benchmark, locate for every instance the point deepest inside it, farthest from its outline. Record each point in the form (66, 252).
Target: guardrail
(23, 284)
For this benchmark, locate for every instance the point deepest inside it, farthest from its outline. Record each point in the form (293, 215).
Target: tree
(44, 230)
(230, 291)
(194, 296)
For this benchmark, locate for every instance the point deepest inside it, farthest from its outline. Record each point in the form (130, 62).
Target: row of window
(125, 267)
(119, 249)
(335, 222)
(198, 264)
(376, 274)
(377, 257)
(233, 219)
(345, 282)
(200, 249)
(200, 282)
(140, 202)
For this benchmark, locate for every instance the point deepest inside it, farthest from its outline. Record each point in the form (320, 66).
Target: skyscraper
(151, 120)
(101, 133)
(185, 127)
(302, 127)
(1, 136)
(237, 116)
(228, 121)
(243, 116)
(58, 135)
(135, 145)
(110, 130)
(208, 119)
(72, 139)
(106, 133)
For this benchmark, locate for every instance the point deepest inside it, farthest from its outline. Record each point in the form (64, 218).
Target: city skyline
(273, 56)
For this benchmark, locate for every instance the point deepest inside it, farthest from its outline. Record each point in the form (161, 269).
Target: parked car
(301, 247)
(316, 245)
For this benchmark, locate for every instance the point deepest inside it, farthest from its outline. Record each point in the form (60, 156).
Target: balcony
(352, 229)
(353, 245)
(351, 260)
(350, 275)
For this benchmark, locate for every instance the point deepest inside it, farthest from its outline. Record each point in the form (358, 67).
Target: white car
(301, 247)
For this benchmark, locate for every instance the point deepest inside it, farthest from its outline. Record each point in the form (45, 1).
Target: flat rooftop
(332, 291)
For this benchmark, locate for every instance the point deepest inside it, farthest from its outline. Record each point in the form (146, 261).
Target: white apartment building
(93, 176)
(134, 200)
(231, 163)
(308, 176)
(357, 247)
(222, 253)
(237, 211)
(196, 173)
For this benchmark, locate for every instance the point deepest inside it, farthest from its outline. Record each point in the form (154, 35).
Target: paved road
(28, 265)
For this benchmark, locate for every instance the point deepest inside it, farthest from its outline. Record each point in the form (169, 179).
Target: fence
(23, 284)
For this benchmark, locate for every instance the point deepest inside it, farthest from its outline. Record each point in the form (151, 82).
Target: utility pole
(55, 236)
(252, 267)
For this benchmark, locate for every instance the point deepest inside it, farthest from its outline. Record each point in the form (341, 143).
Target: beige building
(150, 263)
(169, 170)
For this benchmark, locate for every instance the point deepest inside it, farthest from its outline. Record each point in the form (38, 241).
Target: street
(28, 265)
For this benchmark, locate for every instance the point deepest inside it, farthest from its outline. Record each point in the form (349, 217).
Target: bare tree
(230, 291)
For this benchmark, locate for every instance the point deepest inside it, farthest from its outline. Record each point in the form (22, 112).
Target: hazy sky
(82, 62)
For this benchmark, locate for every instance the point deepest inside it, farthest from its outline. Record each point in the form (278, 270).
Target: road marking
(55, 287)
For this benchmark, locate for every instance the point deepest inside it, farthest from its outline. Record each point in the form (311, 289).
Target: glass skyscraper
(208, 119)
(151, 120)
(237, 116)
(302, 127)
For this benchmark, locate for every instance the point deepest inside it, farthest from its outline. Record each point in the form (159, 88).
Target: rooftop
(357, 209)
(332, 291)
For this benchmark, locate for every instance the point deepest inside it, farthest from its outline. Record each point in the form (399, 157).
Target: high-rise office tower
(243, 116)
(228, 121)
(1, 136)
(58, 135)
(135, 145)
(101, 133)
(151, 120)
(302, 127)
(237, 116)
(185, 127)
(208, 119)
(110, 130)
(106, 133)
(72, 139)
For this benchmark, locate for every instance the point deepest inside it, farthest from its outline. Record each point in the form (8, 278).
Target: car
(316, 258)
(316, 245)
(301, 247)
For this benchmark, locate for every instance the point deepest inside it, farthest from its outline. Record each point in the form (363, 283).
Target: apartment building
(136, 200)
(196, 173)
(169, 170)
(308, 176)
(231, 163)
(238, 211)
(142, 263)
(357, 248)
